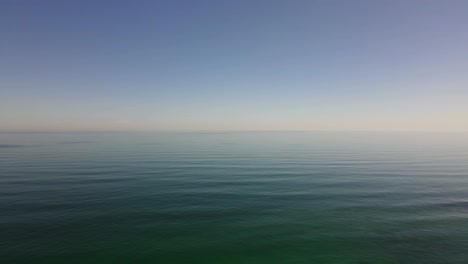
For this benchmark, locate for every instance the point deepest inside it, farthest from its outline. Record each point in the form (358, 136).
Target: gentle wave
(234, 198)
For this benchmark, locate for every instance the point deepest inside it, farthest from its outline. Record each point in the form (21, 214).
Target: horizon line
(221, 131)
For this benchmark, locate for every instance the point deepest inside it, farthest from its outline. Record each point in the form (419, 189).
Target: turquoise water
(303, 197)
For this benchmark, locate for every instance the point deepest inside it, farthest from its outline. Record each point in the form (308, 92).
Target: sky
(295, 65)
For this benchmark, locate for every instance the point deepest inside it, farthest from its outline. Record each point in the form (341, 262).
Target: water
(303, 197)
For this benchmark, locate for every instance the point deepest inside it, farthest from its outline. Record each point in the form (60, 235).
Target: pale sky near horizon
(234, 65)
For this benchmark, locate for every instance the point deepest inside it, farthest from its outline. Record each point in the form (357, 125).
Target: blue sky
(233, 65)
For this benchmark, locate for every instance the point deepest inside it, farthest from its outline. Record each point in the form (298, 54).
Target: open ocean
(238, 198)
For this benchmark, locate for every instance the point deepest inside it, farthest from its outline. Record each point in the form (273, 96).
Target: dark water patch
(416, 245)
(203, 133)
(461, 206)
(12, 146)
(76, 142)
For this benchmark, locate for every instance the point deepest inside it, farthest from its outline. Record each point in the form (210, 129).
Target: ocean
(234, 197)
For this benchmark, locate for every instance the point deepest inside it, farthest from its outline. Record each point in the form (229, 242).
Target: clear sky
(234, 65)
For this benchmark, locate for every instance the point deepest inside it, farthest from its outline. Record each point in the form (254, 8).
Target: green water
(303, 197)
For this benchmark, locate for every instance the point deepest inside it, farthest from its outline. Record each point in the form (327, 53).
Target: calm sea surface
(256, 198)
